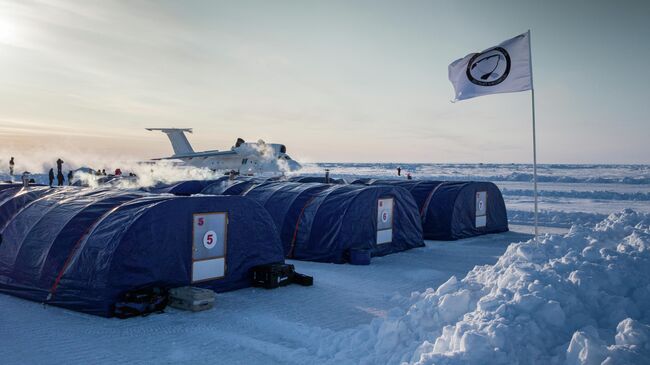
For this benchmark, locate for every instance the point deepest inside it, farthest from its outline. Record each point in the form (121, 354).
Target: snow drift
(581, 298)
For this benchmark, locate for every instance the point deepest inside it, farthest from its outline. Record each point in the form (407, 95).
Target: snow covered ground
(580, 296)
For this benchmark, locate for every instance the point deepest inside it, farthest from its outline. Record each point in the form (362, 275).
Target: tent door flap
(209, 246)
(481, 209)
(385, 220)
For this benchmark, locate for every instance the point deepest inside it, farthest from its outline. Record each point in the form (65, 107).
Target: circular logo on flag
(209, 239)
(489, 68)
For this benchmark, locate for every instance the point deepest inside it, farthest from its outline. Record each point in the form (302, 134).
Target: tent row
(326, 223)
(83, 249)
(449, 210)
(454, 209)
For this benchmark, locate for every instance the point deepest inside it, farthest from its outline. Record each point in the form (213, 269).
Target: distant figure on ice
(11, 166)
(59, 166)
(104, 172)
(399, 171)
(408, 176)
(98, 173)
(59, 178)
(70, 176)
(118, 172)
(51, 176)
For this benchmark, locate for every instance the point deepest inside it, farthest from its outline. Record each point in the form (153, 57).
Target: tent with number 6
(324, 222)
(455, 209)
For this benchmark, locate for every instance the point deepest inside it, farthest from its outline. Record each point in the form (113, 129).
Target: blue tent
(455, 210)
(321, 222)
(238, 186)
(84, 249)
(8, 192)
(5, 186)
(16, 200)
(465, 209)
(315, 179)
(422, 190)
(363, 181)
(183, 188)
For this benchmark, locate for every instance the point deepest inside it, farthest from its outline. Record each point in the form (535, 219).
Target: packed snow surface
(581, 295)
(581, 298)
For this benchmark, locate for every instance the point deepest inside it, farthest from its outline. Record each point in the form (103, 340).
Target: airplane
(245, 158)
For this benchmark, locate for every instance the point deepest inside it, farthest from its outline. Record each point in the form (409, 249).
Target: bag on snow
(141, 302)
(271, 276)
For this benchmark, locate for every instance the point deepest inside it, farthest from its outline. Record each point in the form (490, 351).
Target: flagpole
(532, 95)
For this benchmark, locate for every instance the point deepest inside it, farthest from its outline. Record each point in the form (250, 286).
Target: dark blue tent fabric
(315, 179)
(448, 209)
(14, 203)
(183, 188)
(31, 235)
(80, 219)
(5, 186)
(363, 181)
(321, 222)
(284, 201)
(451, 213)
(83, 249)
(422, 190)
(24, 219)
(231, 187)
(7, 193)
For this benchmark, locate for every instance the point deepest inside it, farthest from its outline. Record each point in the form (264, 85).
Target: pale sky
(357, 81)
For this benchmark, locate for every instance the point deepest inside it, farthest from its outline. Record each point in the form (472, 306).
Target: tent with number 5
(83, 249)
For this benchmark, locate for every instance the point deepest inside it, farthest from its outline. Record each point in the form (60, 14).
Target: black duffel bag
(271, 276)
(141, 302)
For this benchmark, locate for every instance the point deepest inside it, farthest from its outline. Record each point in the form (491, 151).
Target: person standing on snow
(11, 166)
(70, 176)
(59, 178)
(59, 166)
(399, 171)
(51, 176)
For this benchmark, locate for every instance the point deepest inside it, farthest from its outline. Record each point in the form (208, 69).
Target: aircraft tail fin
(177, 137)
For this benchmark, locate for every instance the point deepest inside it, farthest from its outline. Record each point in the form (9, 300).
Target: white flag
(501, 69)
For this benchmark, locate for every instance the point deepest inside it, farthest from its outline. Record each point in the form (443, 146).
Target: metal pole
(532, 94)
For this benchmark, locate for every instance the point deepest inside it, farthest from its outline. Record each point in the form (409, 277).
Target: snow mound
(581, 298)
